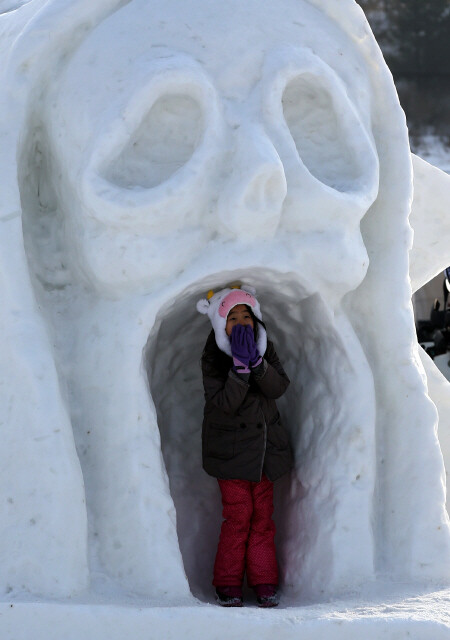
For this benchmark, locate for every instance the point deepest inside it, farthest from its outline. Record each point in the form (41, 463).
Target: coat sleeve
(273, 380)
(225, 392)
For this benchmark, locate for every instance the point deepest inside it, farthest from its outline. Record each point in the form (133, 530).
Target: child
(244, 444)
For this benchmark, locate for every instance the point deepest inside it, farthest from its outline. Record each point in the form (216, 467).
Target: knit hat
(218, 305)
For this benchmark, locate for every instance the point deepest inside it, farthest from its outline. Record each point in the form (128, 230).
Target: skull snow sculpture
(182, 145)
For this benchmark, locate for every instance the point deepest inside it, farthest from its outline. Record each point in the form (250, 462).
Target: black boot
(230, 596)
(266, 595)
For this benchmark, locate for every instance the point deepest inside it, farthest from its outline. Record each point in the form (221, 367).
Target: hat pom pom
(203, 306)
(249, 289)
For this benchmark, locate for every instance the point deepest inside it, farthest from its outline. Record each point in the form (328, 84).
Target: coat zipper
(265, 444)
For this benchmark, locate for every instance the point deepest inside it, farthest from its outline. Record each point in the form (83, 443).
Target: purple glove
(240, 349)
(254, 357)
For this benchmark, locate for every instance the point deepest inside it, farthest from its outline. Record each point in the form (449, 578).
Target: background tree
(414, 36)
(419, 34)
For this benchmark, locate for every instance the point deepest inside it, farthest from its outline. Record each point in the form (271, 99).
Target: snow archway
(332, 440)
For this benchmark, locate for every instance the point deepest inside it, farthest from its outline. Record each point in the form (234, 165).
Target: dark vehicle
(434, 334)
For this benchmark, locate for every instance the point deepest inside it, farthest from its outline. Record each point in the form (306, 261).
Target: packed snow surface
(155, 149)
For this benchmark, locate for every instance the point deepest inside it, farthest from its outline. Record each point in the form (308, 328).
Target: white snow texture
(152, 150)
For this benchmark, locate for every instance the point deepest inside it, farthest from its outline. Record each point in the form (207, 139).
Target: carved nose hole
(266, 192)
(251, 204)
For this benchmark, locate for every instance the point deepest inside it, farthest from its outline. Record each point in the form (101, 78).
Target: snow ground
(401, 612)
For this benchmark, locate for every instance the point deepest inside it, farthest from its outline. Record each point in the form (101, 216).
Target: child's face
(238, 315)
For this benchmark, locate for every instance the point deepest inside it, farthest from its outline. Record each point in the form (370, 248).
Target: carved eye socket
(164, 141)
(320, 135)
(151, 165)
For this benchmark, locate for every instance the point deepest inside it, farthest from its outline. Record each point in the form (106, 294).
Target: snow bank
(429, 218)
(439, 391)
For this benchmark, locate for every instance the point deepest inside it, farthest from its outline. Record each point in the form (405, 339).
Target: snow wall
(155, 150)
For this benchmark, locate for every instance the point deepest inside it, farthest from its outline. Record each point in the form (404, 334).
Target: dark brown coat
(242, 433)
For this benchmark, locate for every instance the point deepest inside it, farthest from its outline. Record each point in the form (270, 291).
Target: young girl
(244, 444)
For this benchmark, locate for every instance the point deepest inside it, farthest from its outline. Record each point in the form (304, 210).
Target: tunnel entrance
(316, 360)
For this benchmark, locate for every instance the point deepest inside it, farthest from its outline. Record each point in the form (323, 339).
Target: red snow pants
(247, 536)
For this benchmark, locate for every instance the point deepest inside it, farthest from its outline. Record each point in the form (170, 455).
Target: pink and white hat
(218, 305)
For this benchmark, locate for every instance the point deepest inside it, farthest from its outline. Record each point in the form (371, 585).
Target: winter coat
(242, 435)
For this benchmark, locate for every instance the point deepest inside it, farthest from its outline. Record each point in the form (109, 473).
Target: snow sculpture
(158, 149)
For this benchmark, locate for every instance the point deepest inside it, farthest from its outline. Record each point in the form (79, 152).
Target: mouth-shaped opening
(311, 351)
